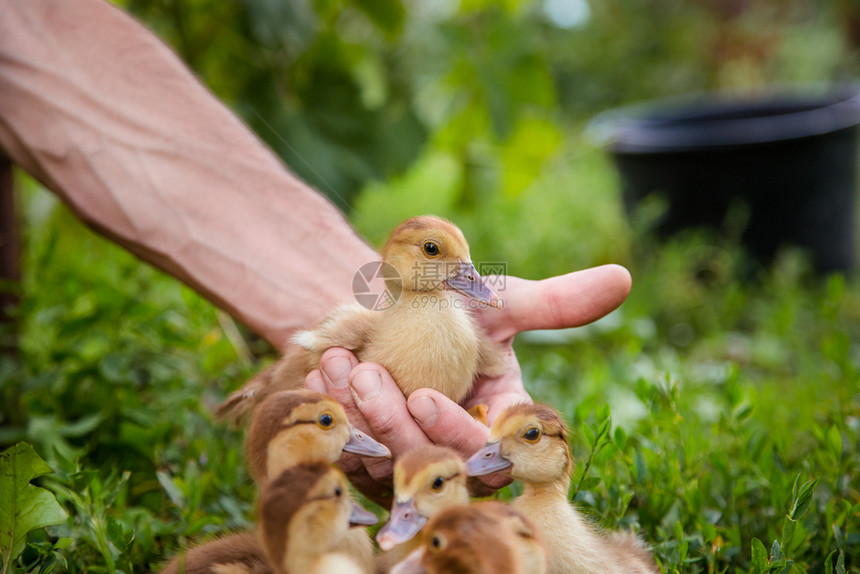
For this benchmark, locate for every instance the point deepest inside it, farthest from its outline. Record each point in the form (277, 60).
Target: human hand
(376, 405)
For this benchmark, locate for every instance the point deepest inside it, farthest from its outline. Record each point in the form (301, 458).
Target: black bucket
(790, 159)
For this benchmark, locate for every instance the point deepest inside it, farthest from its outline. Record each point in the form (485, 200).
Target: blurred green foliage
(716, 413)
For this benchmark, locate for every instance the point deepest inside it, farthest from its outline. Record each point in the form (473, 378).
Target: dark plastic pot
(791, 159)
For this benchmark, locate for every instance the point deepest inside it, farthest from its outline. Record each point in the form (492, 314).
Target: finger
(383, 406)
(569, 300)
(447, 424)
(335, 366)
(314, 382)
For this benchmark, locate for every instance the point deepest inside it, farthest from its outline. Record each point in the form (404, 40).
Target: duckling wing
(348, 326)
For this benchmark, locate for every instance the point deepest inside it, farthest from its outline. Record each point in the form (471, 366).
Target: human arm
(427, 416)
(100, 111)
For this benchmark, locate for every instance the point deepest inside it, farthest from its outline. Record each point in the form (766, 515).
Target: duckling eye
(431, 249)
(532, 434)
(338, 491)
(438, 543)
(326, 421)
(438, 483)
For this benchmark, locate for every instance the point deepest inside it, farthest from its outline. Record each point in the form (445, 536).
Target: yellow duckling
(427, 480)
(425, 335)
(293, 427)
(304, 514)
(530, 442)
(487, 537)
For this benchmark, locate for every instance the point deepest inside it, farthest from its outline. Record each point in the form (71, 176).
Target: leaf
(588, 435)
(23, 506)
(828, 563)
(173, 491)
(776, 552)
(803, 500)
(759, 557)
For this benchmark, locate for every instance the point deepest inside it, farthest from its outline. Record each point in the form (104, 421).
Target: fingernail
(336, 371)
(424, 411)
(366, 384)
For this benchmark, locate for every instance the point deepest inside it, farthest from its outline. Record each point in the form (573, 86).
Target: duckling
(425, 336)
(487, 537)
(530, 442)
(304, 514)
(293, 427)
(290, 427)
(427, 480)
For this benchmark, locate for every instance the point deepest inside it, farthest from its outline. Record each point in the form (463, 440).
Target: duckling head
(481, 538)
(290, 427)
(427, 480)
(429, 254)
(528, 441)
(305, 512)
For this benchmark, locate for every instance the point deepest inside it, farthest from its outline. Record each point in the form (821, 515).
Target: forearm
(99, 110)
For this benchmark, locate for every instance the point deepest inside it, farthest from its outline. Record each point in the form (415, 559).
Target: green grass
(716, 413)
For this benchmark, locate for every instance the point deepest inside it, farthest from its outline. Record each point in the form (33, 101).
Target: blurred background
(698, 408)
(476, 110)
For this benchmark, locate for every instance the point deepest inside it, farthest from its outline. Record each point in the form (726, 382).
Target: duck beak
(361, 516)
(360, 443)
(404, 523)
(411, 564)
(487, 460)
(468, 282)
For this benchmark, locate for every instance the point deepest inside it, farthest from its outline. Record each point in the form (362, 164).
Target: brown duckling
(293, 427)
(427, 480)
(425, 336)
(304, 514)
(487, 537)
(530, 443)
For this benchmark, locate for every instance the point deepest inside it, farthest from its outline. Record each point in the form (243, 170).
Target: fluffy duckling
(304, 514)
(425, 336)
(530, 442)
(427, 480)
(486, 537)
(294, 427)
